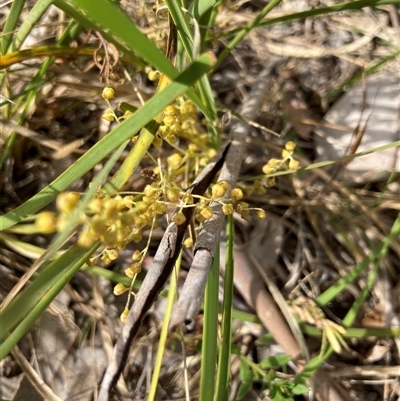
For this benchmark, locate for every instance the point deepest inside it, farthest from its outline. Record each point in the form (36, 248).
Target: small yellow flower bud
(261, 191)
(185, 126)
(119, 289)
(261, 214)
(286, 154)
(157, 142)
(98, 225)
(46, 222)
(96, 205)
(175, 128)
(136, 236)
(179, 218)
(174, 161)
(218, 191)
(163, 131)
(274, 163)
(192, 148)
(267, 169)
(108, 93)
(153, 75)
(172, 194)
(171, 138)
(237, 194)
(245, 214)
(290, 146)
(109, 115)
(137, 255)
(241, 206)
(188, 199)
(224, 184)
(160, 208)
(169, 120)
(62, 221)
(67, 201)
(127, 219)
(188, 107)
(105, 259)
(227, 209)
(110, 238)
(113, 254)
(271, 181)
(127, 114)
(249, 190)
(170, 110)
(203, 161)
(124, 315)
(188, 243)
(136, 267)
(129, 273)
(293, 165)
(86, 238)
(211, 153)
(207, 212)
(110, 209)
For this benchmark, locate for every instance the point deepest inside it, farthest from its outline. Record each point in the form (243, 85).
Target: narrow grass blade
(11, 24)
(22, 312)
(70, 33)
(182, 26)
(377, 254)
(224, 362)
(348, 5)
(245, 30)
(348, 320)
(210, 334)
(36, 13)
(164, 330)
(117, 27)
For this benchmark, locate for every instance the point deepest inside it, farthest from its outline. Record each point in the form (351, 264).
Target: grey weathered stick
(192, 292)
(155, 279)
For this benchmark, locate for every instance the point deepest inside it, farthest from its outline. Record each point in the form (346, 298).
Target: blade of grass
(111, 141)
(52, 51)
(164, 330)
(210, 334)
(200, 7)
(245, 30)
(182, 26)
(31, 20)
(191, 47)
(10, 24)
(22, 312)
(348, 5)
(72, 220)
(348, 320)
(376, 255)
(355, 332)
(117, 27)
(36, 13)
(70, 33)
(224, 362)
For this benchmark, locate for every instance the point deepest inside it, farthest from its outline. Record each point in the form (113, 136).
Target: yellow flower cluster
(285, 163)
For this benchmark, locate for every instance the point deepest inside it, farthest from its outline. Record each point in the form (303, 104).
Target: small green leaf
(246, 375)
(243, 389)
(273, 361)
(299, 389)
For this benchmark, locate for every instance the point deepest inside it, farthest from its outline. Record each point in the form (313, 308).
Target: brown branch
(163, 263)
(192, 292)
